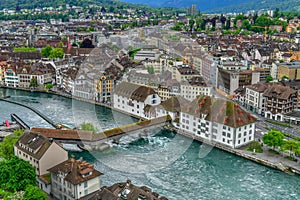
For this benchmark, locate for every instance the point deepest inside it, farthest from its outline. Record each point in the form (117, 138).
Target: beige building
(74, 179)
(41, 152)
(290, 70)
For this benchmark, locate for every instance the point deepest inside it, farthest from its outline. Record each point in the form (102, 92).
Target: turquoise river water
(159, 161)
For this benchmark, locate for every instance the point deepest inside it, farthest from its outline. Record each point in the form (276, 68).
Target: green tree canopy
(7, 146)
(150, 69)
(273, 139)
(33, 83)
(57, 53)
(16, 174)
(87, 126)
(48, 86)
(33, 192)
(269, 78)
(46, 51)
(291, 145)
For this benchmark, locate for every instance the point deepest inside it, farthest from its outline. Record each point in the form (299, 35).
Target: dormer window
(87, 174)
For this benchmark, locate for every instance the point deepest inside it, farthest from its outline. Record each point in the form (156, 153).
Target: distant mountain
(208, 6)
(224, 6)
(283, 5)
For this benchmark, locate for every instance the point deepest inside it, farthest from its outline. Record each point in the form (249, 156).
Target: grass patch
(254, 145)
(24, 49)
(273, 151)
(279, 124)
(291, 158)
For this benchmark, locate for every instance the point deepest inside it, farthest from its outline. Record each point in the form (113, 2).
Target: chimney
(72, 159)
(128, 182)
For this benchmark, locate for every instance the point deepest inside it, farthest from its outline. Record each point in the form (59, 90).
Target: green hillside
(47, 3)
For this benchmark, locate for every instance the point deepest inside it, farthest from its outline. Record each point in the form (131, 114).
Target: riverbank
(273, 161)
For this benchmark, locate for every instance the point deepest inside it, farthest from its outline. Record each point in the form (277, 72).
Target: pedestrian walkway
(270, 158)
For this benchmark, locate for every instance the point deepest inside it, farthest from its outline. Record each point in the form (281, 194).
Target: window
(223, 139)
(240, 135)
(245, 133)
(86, 192)
(228, 135)
(85, 184)
(223, 133)
(250, 138)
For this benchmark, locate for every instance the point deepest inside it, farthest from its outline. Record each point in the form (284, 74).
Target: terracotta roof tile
(220, 111)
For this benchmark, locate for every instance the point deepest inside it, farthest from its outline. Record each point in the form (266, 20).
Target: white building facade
(133, 99)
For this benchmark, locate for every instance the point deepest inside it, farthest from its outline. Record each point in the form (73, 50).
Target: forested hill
(29, 4)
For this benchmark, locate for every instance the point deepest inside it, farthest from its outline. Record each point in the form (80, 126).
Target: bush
(254, 145)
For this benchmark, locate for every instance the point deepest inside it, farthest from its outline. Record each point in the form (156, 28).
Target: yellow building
(290, 70)
(164, 92)
(104, 89)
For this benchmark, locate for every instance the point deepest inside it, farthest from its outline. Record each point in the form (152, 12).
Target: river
(170, 164)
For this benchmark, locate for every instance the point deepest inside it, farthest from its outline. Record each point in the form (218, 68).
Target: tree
(33, 192)
(7, 146)
(276, 13)
(46, 51)
(48, 86)
(273, 139)
(246, 24)
(290, 145)
(57, 53)
(88, 127)
(33, 83)
(16, 174)
(269, 78)
(150, 69)
(87, 43)
(227, 24)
